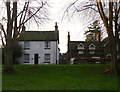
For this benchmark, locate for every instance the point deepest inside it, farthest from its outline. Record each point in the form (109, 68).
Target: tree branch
(3, 43)
(22, 12)
(25, 8)
(2, 28)
(31, 15)
(102, 14)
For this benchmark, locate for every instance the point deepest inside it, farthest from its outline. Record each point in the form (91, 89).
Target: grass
(0, 77)
(59, 77)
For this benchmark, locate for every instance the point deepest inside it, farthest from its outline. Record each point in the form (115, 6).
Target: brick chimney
(56, 27)
(23, 29)
(68, 41)
(68, 47)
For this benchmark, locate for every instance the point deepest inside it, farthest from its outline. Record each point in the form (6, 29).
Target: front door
(35, 58)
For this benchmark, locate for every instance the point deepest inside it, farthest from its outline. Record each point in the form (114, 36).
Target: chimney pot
(23, 28)
(56, 27)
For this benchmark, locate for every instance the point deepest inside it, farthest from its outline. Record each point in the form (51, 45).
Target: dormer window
(80, 46)
(92, 47)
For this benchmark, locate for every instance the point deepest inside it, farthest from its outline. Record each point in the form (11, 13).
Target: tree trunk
(112, 39)
(8, 67)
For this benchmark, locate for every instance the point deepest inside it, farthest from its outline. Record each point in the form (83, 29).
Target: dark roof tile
(39, 36)
(74, 44)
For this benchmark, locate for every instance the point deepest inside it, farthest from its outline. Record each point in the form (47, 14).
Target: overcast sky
(76, 26)
(73, 26)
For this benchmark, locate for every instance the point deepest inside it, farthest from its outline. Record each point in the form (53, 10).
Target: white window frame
(26, 45)
(47, 45)
(46, 58)
(26, 58)
(92, 47)
(80, 46)
(119, 35)
(80, 52)
(92, 52)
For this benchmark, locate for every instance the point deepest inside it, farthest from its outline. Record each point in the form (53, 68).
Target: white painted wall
(37, 47)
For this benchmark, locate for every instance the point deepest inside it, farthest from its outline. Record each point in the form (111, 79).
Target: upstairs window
(26, 45)
(47, 45)
(80, 46)
(92, 47)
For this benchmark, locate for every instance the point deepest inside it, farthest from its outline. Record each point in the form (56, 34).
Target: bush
(17, 52)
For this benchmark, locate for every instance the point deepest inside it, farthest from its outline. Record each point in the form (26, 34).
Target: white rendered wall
(37, 47)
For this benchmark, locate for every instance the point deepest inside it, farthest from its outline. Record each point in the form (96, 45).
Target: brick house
(88, 51)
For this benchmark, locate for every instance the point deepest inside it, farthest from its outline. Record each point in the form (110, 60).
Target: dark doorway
(36, 58)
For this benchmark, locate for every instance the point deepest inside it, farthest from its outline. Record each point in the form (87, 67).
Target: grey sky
(76, 26)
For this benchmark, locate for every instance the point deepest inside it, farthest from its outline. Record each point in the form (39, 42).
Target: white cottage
(40, 47)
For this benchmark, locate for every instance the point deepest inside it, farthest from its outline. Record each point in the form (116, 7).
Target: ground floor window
(80, 52)
(92, 52)
(26, 58)
(47, 58)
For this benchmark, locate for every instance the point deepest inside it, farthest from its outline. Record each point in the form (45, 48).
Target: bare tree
(109, 12)
(94, 31)
(16, 19)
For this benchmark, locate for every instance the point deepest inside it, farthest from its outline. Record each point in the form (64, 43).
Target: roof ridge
(40, 31)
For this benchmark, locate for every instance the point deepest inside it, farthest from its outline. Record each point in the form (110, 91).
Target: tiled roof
(105, 40)
(39, 36)
(74, 44)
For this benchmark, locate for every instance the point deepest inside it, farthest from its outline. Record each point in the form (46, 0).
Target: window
(47, 45)
(92, 52)
(26, 45)
(92, 47)
(117, 48)
(47, 58)
(119, 35)
(80, 46)
(26, 58)
(80, 52)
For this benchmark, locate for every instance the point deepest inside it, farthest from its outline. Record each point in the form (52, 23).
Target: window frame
(92, 52)
(47, 45)
(80, 52)
(80, 46)
(93, 48)
(26, 45)
(47, 58)
(26, 59)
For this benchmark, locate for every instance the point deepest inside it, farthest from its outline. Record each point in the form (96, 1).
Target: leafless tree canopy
(28, 11)
(109, 13)
(87, 11)
(83, 9)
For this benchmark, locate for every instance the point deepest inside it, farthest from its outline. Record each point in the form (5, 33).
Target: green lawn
(0, 77)
(59, 77)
